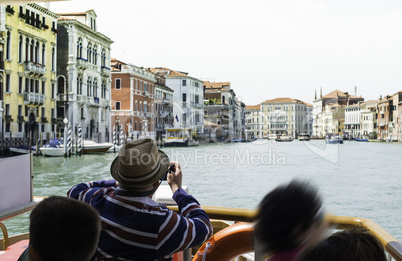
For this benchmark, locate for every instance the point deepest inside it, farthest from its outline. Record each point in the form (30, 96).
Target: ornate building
(27, 89)
(84, 77)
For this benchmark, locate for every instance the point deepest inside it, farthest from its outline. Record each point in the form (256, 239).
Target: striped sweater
(137, 228)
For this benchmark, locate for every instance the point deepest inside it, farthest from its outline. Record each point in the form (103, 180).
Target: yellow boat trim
(392, 246)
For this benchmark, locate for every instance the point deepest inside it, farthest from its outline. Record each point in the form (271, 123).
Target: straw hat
(139, 163)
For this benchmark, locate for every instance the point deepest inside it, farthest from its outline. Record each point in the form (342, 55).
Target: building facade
(254, 123)
(285, 116)
(84, 77)
(385, 117)
(188, 98)
(397, 117)
(133, 98)
(163, 107)
(333, 98)
(219, 107)
(369, 119)
(27, 91)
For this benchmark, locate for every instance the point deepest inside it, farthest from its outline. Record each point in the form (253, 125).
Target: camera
(172, 168)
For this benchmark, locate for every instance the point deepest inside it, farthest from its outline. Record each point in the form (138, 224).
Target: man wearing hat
(134, 227)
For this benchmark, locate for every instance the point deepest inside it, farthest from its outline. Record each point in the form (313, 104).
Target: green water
(355, 179)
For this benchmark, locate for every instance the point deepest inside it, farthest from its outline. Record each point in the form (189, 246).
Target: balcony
(105, 71)
(34, 69)
(54, 120)
(93, 101)
(81, 99)
(82, 63)
(21, 118)
(166, 101)
(104, 103)
(196, 105)
(34, 98)
(184, 104)
(43, 119)
(62, 97)
(8, 118)
(146, 94)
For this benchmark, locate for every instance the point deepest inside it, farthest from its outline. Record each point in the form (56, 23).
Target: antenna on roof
(355, 90)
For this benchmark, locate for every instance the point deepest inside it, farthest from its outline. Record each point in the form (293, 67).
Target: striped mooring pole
(121, 137)
(69, 141)
(79, 139)
(114, 138)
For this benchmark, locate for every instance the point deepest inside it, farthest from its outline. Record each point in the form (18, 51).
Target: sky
(266, 49)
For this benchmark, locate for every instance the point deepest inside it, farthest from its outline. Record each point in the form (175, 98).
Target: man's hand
(174, 178)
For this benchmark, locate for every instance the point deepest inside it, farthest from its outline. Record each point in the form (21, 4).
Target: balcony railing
(146, 94)
(44, 119)
(81, 98)
(21, 118)
(166, 101)
(82, 63)
(93, 101)
(34, 68)
(34, 98)
(104, 103)
(105, 71)
(62, 97)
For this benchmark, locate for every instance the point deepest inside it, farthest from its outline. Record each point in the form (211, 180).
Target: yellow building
(29, 79)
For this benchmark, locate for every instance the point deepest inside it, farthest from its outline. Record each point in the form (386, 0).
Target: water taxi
(304, 137)
(180, 137)
(334, 139)
(284, 138)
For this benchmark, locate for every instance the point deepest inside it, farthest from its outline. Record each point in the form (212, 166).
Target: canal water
(355, 178)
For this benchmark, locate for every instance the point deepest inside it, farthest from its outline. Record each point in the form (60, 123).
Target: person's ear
(33, 254)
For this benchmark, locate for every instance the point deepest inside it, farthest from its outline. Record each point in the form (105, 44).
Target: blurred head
(289, 216)
(63, 229)
(353, 245)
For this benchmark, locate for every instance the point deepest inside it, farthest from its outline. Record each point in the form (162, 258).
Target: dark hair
(64, 229)
(285, 212)
(353, 245)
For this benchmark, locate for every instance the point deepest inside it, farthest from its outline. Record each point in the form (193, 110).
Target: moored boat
(89, 147)
(284, 138)
(54, 148)
(304, 137)
(362, 140)
(24, 149)
(179, 137)
(335, 139)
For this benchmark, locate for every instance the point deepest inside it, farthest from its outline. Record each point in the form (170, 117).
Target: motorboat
(89, 147)
(272, 136)
(304, 137)
(284, 138)
(180, 137)
(24, 149)
(335, 139)
(54, 148)
(363, 140)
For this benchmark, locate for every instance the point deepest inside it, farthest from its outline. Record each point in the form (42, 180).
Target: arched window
(36, 56)
(53, 59)
(79, 48)
(8, 50)
(20, 48)
(27, 49)
(103, 58)
(89, 52)
(95, 54)
(43, 54)
(95, 87)
(89, 87)
(103, 89)
(31, 50)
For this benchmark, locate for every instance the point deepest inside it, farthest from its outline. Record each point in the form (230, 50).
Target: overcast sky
(265, 48)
